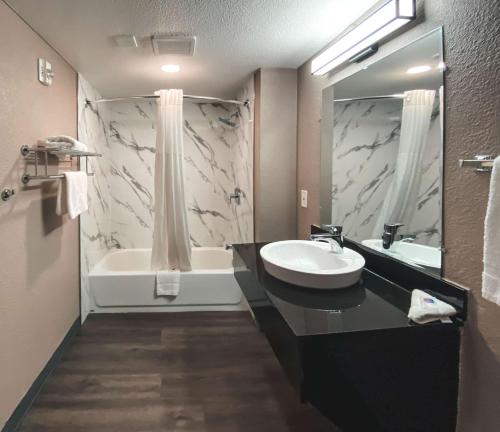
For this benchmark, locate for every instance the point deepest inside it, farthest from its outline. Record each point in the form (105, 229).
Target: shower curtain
(171, 242)
(401, 201)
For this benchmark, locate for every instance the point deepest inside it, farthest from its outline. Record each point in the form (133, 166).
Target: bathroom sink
(413, 253)
(312, 264)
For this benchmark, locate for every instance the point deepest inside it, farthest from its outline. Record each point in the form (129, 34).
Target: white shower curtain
(401, 200)
(171, 243)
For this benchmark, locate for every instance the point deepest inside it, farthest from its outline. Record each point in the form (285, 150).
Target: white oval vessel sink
(413, 253)
(312, 264)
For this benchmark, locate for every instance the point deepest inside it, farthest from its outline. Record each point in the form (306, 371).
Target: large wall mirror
(382, 143)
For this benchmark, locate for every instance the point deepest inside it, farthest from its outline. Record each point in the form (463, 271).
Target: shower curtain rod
(393, 96)
(201, 98)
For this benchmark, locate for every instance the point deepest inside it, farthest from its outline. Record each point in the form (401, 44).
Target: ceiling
(234, 38)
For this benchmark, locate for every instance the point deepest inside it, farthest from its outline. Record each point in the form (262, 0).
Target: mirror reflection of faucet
(389, 235)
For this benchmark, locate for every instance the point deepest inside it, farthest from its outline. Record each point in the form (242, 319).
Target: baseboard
(23, 407)
(166, 309)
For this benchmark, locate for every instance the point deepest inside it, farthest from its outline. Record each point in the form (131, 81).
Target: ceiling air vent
(125, 41)
(173, 45)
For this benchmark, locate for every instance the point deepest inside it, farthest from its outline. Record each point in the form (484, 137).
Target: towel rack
(35, 151)
(482, 163)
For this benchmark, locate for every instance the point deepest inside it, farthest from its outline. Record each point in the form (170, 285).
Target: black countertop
(374, 304)
(352, 353)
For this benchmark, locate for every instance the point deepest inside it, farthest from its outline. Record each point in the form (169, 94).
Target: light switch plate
(303, 198)
(45, 73)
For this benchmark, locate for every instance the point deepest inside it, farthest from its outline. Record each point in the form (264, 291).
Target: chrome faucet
(236, 195)
(334, 237)
(390, 231)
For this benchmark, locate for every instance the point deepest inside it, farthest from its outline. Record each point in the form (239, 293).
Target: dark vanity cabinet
(353, 354)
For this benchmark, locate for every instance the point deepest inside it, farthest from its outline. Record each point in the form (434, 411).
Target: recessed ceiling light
(418, 69)
(170, 68)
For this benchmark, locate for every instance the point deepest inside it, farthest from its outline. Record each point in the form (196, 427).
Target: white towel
(491, 256)
(426, 308)
(72, 194)
(167, 282)
(54, 145)
(64, 142)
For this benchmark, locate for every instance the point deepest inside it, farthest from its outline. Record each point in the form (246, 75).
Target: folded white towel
(491, 256)
(53, 145)
(63, 139)
(64, 142)
(72, 194)
(167, 282)
(426, 308)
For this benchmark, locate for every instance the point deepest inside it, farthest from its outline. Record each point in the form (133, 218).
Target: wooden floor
(203, 372)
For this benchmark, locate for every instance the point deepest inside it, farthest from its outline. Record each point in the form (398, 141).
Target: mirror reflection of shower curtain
(401, 201)
(171, 243)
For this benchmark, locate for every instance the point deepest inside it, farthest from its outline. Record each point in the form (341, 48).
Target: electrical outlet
(303, 198)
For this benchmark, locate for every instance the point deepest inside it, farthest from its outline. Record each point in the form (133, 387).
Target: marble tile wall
(95, 225)
(218, 158)
(366, 138)
(218, 142)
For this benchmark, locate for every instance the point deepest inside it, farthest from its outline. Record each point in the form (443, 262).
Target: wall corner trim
(16, 418)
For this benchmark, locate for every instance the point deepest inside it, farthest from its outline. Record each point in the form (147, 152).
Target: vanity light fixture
(384, 20)
(170, 68)
(363, 55)
(418, 69)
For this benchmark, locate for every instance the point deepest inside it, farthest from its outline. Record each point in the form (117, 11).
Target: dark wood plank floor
(198, 372)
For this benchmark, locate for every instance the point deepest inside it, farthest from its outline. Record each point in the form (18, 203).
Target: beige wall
(472, 127)
(472, 49)
(275, 154)
(39, 271)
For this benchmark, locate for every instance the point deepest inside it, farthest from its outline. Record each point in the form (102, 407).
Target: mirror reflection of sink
(413, 253)
(312, 264)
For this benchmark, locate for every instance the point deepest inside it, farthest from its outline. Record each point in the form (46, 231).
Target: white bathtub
(122, 281)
